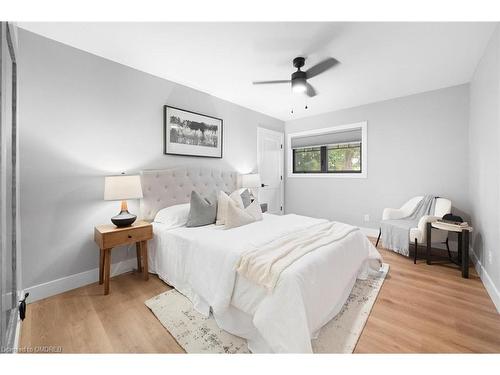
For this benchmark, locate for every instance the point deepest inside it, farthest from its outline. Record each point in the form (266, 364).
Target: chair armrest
(422, 223)
(392, 214)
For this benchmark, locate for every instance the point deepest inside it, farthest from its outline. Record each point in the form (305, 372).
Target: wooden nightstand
(109, 236)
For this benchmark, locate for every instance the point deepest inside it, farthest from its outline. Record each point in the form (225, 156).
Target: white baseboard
(64, 284)
(486, 279)
(370, 232)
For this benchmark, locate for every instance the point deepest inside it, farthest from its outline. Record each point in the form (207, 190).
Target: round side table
(463, 243)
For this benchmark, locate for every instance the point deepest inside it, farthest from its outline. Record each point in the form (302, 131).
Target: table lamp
(122, 188)
(250, 181)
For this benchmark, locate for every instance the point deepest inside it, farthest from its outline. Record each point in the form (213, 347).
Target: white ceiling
(378, 60)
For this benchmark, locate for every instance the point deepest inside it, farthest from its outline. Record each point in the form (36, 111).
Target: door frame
(9, 334)
(261, 131)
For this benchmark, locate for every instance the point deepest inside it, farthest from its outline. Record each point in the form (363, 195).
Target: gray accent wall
(416, 145)
(83, 117)
(484, 167)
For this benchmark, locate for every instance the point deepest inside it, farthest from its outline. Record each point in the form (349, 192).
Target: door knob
(262, 185)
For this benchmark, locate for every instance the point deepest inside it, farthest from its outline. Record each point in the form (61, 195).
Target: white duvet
(201, 264)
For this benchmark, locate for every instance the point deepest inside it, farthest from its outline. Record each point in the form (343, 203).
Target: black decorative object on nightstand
(124, 218)
(123, 187)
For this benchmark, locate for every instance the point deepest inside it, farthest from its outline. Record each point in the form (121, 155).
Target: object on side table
(108, 237)
(263, 207)
(122, 188)
(452, 218)
(453, 221)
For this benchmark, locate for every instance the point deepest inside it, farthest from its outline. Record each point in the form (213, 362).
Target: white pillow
(255, 210)
(173, 216)
(222, 203)
(236, 216)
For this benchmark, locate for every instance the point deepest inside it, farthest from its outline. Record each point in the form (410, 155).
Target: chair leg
(448, 248)
(415, 255)
(378, 239)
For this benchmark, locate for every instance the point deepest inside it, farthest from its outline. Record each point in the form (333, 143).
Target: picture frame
(189, 133)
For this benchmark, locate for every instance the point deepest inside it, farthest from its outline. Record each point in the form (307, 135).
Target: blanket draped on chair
(395, 233)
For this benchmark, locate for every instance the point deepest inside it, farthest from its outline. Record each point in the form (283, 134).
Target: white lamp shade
(250, 180)
(122, 188)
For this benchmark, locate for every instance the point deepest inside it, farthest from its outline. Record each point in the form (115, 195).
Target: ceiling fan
(299, 78)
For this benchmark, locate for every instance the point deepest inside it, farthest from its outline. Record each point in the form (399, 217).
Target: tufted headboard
(167, 187)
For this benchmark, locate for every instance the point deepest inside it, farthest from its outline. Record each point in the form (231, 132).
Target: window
(336, 152)
(344, 158)
(307, 160)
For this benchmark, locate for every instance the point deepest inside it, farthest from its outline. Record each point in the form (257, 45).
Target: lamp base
(123, 219)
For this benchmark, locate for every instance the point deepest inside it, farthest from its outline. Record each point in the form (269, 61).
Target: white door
(270, 164)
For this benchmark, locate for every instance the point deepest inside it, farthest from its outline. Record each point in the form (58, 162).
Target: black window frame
(324, 161)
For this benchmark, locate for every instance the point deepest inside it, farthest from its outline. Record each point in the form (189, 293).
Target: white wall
(416, 145)
(83, 117)
(484, 167)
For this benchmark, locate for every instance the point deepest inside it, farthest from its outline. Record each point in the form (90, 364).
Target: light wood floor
(430, 309)
(421, 308)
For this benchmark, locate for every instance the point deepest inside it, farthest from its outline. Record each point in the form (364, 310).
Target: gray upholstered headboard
(167, 187)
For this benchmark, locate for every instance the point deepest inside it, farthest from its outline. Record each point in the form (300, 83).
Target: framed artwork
(191, 134)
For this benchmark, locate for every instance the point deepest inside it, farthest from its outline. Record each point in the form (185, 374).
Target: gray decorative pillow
(245, 197)
(202, 211)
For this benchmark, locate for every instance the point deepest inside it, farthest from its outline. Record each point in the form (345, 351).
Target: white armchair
(418, 235)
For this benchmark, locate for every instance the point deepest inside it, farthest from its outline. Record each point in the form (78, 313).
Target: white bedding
(201, 262)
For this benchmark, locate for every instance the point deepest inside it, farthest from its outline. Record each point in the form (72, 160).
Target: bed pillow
(223, 202)
(173, 216)
(202, 211)
(255, 210)
(245, 198)
(236, 216)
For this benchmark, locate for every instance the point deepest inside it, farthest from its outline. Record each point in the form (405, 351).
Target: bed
(201, 264)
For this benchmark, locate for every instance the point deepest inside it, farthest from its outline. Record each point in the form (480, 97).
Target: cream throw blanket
(265, 264)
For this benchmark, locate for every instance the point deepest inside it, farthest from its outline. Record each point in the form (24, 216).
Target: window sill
(327, 175)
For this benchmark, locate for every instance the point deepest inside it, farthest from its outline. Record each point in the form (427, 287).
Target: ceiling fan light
(299, 85)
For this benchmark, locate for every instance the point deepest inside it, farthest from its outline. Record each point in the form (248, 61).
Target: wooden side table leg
(144, 248)
(139, 255)
(101, 266)
(107, 266)
(465, 254)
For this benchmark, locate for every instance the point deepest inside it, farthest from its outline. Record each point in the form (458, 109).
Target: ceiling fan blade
(271, 82)
(321, 67)
(310, 92)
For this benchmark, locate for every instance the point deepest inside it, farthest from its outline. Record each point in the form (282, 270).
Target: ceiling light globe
(299, 85)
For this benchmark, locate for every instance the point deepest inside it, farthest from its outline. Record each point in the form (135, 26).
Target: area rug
(198, 334)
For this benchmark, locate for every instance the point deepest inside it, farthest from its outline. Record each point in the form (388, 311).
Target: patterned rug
(198, 334)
